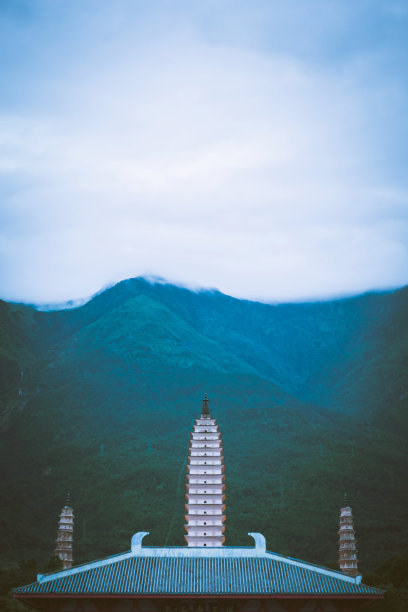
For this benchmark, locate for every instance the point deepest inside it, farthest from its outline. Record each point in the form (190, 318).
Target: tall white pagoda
(205, 495)
(63, 549)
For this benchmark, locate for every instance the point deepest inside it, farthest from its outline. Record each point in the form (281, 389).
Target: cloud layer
(181, 140)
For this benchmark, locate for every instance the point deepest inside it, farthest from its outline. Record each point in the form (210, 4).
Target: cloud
(178, 151)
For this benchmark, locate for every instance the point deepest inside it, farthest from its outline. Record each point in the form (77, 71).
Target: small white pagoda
(205, 483)
(347, 541)
(63, 549)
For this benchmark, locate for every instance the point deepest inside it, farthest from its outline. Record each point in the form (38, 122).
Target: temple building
(347, 541)
(205, 575)
(63, 549)
(205, 496)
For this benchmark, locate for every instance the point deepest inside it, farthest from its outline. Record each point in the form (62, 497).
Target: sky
(256, 146)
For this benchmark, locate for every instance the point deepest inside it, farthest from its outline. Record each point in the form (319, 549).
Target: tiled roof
(151, 571)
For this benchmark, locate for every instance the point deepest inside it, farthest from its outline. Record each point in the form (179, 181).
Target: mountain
(99, 400)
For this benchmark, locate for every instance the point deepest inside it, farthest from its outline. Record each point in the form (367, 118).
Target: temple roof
(149, 571)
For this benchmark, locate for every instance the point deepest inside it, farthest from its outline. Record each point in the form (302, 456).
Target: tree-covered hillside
(99, 400)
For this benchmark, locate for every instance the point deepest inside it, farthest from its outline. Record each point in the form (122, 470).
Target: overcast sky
(259, 147)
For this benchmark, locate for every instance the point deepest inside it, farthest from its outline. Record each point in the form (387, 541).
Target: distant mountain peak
(160, 280)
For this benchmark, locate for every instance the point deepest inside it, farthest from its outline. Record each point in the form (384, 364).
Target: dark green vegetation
(312, 400)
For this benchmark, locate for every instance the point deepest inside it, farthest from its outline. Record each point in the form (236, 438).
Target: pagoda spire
(205, 486)
(205, 410)
(63, 548)
(347, 541)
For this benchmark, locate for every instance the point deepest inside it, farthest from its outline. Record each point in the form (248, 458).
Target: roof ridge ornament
(136, 541)
(260, 541)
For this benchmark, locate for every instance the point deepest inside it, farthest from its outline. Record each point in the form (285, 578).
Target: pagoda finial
(68, 500)
(205, 411)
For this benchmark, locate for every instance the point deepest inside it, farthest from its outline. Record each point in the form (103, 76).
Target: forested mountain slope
(99, 400)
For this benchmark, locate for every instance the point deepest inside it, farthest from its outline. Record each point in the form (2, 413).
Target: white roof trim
(315, 568)
(83, 568)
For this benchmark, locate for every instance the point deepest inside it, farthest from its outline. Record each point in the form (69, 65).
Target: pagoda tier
(205, 486)
(210, 479)
(205, 519)
(347, 541)
(197, 470)
(204, 436)
(63, 548)
(200, 509)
